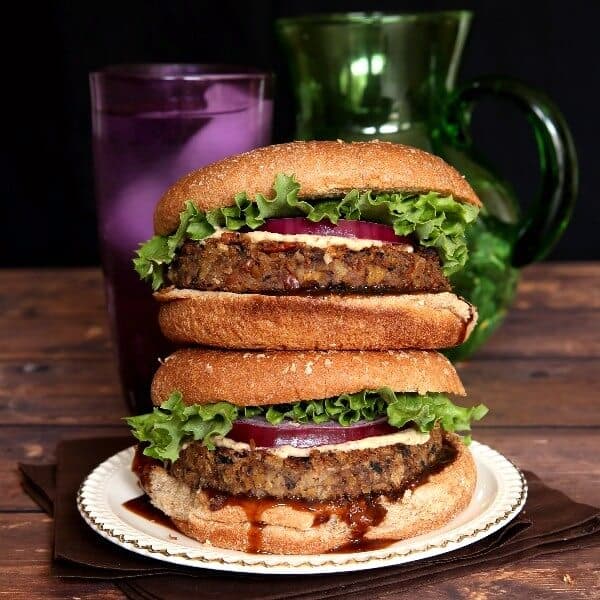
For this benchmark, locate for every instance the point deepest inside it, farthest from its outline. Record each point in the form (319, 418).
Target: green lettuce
(437, 221)
(488, 281)
(427, 411)
(167, 428)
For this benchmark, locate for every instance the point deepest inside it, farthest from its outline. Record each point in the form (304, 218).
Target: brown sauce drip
(142, 465)
(254, 509)
(142, 507)
(359, 514)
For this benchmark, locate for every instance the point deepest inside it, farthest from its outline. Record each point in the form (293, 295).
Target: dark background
(48, 209)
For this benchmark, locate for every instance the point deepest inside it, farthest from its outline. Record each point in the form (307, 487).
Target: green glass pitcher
(392, 77)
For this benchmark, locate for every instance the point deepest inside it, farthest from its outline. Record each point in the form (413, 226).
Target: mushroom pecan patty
(234, 263)
(319, 476)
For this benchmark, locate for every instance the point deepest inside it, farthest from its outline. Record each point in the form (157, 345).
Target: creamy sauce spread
(318, 241)
(410, 437)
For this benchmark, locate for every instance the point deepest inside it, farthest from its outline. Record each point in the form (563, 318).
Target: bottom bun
(325, 322)
(289, 528)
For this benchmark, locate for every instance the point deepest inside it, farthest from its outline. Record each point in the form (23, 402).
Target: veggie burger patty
(235, 263)
(319, 476)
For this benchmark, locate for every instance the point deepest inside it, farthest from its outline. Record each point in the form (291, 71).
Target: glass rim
(187, 72)
(350, 18)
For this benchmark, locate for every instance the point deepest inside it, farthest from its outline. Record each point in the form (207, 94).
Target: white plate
(499, 496)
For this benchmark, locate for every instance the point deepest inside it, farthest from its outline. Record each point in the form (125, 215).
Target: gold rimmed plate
(499, 496)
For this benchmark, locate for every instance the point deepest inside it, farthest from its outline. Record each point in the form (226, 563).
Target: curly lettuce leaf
(424, 412)
(166, 429)
(346, 409)
(437, 221)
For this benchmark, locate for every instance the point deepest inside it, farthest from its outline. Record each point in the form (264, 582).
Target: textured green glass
(392, 77)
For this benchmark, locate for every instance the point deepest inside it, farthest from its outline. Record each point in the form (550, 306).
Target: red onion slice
(305, 435)
(363, 230)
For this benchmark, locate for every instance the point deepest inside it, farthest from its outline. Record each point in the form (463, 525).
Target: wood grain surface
(540, 375)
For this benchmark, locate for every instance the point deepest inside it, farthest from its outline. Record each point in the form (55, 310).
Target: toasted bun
(256, 321)
(206, 376)
(322, 169)
(290, 530)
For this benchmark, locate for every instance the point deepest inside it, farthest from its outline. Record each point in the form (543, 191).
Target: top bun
(322, 168)
(263, 378)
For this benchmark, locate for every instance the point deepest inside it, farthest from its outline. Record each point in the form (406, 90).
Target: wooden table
(540, 375)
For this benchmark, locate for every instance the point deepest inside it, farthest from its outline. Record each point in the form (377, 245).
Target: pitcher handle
(545, 221)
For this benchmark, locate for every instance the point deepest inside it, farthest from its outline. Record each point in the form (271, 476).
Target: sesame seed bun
(206, 376)
(287, 529)
(329, 321)
(323, 169)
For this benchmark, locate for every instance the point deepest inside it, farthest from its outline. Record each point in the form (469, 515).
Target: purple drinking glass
(151, 125)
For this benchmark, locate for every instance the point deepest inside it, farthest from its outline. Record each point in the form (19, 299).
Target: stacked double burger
(307, 411)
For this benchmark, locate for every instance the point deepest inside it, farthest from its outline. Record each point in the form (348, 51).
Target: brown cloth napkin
(550, 522)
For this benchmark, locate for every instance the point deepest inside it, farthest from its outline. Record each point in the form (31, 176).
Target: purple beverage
(151, 125)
